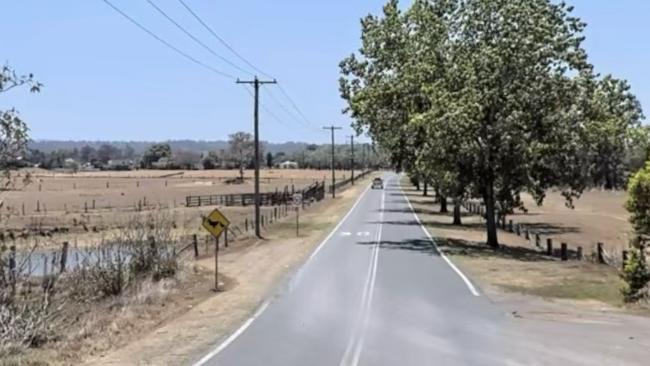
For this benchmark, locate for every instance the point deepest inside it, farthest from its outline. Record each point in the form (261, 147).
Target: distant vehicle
(377, 183)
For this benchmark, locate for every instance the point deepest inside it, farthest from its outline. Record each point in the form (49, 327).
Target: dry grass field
(91, 202)
(598, 216)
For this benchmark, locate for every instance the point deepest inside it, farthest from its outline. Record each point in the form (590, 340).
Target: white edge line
(471, 287)
(265, 305)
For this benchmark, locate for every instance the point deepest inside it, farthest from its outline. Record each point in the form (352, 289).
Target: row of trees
(492, 98)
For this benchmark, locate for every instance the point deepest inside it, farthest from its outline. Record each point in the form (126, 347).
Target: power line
(242, 58)
(195, 39)
(293, 104)
(288, 112)
(221, 40)
(169, 45)
(266, 109)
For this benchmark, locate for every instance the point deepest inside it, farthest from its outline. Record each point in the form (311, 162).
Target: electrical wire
(164, 42)
(221, 40)
(195, 39)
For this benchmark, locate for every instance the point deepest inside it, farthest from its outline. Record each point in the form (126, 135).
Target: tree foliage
(636, 274)
(13, 130)
(154, 153)
(486, 98)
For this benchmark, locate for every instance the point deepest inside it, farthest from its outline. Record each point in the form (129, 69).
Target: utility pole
(352, 157)
(333, 128)
(256, 116)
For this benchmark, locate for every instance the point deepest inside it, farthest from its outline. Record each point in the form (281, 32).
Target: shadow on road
(417, 245)
(431, 224)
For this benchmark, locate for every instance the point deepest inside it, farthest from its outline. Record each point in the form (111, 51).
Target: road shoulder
(254, 272)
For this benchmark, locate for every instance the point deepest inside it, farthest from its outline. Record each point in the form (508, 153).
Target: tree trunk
(443, 204)
(490, 218)
(425, 192)
(457, 219)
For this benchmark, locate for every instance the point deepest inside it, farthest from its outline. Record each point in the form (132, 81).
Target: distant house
(288, 165)
(120, 164)
(70, 163)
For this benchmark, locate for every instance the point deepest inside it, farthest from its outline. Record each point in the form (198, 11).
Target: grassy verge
(516, 266)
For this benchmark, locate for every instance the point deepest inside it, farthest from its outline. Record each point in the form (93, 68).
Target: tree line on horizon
(238, 153)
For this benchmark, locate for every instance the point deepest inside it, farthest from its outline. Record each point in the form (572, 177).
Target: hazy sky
(106, 79)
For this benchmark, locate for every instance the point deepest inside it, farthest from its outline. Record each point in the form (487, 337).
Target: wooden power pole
(333, 128)
(256, 115)
(352, 157)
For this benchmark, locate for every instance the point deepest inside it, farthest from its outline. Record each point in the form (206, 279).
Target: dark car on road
(377, 183)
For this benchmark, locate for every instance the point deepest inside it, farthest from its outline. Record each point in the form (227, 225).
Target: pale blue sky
(106, 79)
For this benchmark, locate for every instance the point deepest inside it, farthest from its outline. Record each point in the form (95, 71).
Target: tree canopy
(487, 99)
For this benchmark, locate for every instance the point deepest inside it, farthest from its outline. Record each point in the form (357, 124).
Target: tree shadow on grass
(473, 249)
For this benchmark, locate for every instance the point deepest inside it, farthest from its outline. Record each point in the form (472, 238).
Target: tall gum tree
(499, 90)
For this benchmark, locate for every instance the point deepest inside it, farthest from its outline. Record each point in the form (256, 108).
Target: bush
(144, 249)
(636, 276)
(635, 273)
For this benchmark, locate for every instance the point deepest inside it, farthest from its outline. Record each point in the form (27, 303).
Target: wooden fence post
(225, 238)
(538, 240)
(510, 228)
(518, 226)
(579, 253)
(85, 206)
(600, 253)
(564, 252)
(246, 224)
(624, 258)
(195, 243)
(64, 256)
(549, 247)
(527, 234)
(38, 206)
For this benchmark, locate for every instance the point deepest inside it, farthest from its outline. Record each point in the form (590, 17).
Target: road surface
(378, 292)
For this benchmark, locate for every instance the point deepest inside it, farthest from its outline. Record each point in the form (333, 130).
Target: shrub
(636, 276)
(635, 272)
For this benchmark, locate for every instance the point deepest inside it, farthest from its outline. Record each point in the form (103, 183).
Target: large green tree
(496, 86)
(614, 115)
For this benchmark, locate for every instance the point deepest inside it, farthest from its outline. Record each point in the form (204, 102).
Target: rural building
(120, 164)
(288, 165)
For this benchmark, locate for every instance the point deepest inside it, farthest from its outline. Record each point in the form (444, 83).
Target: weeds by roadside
(135, 266)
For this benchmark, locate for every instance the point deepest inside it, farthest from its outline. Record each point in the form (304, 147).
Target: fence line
(535, 238)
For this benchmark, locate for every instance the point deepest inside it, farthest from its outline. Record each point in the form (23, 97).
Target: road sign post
(297, 201)
(216, 223)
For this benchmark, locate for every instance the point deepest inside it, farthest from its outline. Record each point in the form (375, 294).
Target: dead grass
(517, 266)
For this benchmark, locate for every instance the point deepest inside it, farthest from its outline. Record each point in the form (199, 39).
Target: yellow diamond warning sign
(215, 223)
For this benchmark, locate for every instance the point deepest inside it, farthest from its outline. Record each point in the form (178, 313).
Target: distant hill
(47, 146)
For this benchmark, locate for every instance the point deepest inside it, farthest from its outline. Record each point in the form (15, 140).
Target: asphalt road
(376, 292)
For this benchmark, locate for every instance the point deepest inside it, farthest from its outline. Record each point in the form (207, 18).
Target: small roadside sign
(297, 199)
(215, 223)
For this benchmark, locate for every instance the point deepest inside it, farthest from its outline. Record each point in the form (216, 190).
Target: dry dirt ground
(598, 216)
(518, 266)
(252, 270)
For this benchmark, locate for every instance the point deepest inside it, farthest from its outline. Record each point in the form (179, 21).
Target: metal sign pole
(216, 263)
